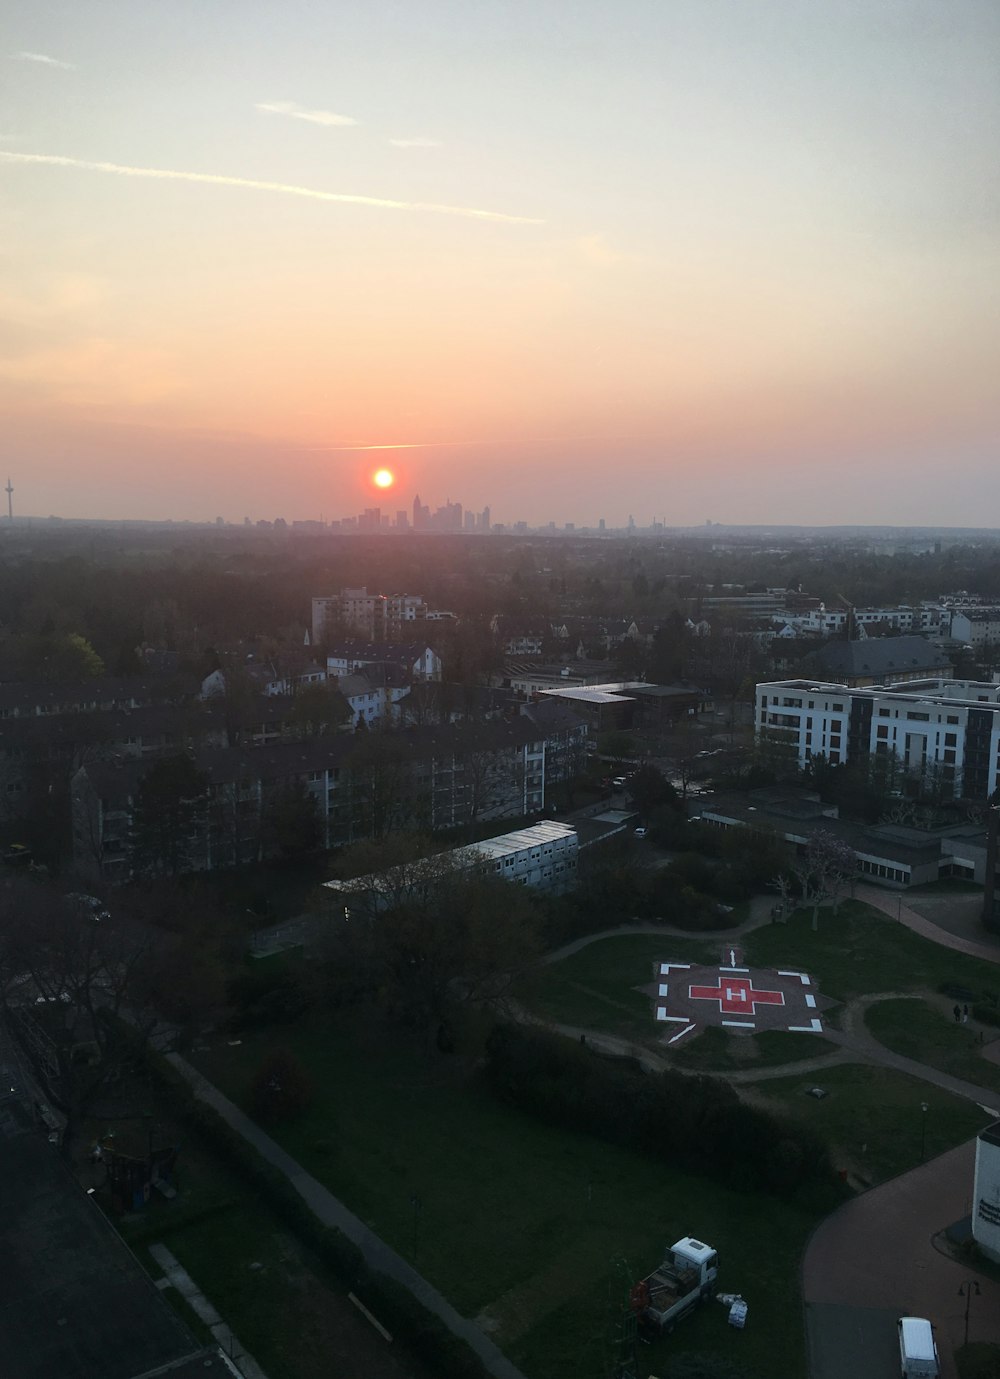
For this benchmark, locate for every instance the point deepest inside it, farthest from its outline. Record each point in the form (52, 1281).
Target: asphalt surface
(875, 1259)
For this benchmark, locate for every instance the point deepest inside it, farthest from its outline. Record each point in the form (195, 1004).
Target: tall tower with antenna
(10, 501)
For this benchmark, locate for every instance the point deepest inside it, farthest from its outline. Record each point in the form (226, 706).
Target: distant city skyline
(698, 260)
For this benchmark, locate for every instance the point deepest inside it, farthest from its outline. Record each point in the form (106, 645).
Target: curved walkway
(891, 904)
(760, 914)
(874, 1260)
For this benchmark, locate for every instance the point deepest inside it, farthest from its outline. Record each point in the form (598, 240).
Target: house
(416, 660)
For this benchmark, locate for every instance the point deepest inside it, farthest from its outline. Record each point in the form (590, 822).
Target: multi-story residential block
(945, 729)
(376, 617)
(363, 785)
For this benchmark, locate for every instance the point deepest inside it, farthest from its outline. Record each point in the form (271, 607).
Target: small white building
(544, 855)
(986, 1192)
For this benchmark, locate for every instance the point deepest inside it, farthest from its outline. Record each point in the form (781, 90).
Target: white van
(918, 1357)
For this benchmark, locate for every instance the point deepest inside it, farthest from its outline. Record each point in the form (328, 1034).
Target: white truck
(684, 1279)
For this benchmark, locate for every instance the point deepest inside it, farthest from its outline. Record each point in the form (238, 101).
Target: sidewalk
(893, 905)
(332, 1212)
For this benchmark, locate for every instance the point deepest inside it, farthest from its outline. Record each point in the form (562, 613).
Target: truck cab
(918, 1356)
(684, 1279)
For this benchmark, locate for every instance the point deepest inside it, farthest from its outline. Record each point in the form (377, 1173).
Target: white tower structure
(986, 1192)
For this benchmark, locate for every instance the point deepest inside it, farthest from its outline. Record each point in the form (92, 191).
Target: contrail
(435, 445)
(251, 184)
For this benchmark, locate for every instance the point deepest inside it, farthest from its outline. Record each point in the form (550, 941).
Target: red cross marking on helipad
(736, 995)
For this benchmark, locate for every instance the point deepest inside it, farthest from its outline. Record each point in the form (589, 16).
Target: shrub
(697, 1123)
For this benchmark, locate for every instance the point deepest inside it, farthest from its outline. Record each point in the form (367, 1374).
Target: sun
(383, 478)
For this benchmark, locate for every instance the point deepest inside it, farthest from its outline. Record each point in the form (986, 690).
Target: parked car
(640, 832)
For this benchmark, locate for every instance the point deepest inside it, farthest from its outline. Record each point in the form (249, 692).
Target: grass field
(920, 1030)
(862, 950)
(522, 1223)
(716, 1050)
(595, 987)
(279, 1301)
(872, 1119)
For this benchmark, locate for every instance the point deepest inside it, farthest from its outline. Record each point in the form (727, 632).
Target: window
(952, 718)
(951, 739)
(882, 731)
(883, 713)
(919, 717)
(838, 708)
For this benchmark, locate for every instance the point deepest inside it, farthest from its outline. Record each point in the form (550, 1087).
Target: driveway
(874, 1260)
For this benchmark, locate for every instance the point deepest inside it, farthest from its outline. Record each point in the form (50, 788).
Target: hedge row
(403, 1315)
(697, 1124)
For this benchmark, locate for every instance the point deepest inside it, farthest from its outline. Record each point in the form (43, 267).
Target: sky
(680, 259)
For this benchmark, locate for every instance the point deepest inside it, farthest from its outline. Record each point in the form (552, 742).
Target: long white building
(948, 728)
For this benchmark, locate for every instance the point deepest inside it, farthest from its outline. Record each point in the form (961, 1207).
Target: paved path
(875, 1259)
(332, 1212)
(760, 914)
(892, 904)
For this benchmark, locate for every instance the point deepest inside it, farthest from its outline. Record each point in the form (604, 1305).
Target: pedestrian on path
(958, 1014)
(965, 1015)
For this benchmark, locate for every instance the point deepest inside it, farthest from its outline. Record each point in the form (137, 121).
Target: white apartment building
(950, 728)
(377, 617)
(927, 620)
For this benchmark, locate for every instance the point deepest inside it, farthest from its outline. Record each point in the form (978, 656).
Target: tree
(318, 710)
(168, 834)
(67, 980)
(823, 873)
(425, 936)
(649, 790)
(281, 1088)
(291, 819)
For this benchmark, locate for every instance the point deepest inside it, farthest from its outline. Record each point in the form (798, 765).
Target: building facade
(945, 730)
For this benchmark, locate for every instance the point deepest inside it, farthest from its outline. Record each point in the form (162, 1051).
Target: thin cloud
(251, 184)
(435, 445)
(45, 60)
(415, 143)
(298, 112)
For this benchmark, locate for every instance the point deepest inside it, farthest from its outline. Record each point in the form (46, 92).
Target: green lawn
(919, 1030)
(872, 1118)
(595, 987)
(862, 950)
(217, 1228)
(521, 1220)
(717, 1050)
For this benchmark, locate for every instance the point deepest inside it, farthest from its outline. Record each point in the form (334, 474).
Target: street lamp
(924, 1108)
(967, 1290)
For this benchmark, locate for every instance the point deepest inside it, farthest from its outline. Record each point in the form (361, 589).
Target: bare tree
(823, 874)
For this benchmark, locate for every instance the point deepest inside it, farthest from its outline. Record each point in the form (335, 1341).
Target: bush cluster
(985, 1003)
(404, 1316)
(697, 1124)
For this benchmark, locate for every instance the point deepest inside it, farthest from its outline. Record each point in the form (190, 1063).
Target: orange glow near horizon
(383, 478)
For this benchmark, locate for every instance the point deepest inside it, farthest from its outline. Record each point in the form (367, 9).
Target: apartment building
(363, 785)
(946, 729)
(377, 617)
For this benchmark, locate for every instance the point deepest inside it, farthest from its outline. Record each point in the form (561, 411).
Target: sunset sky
(728, 259)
